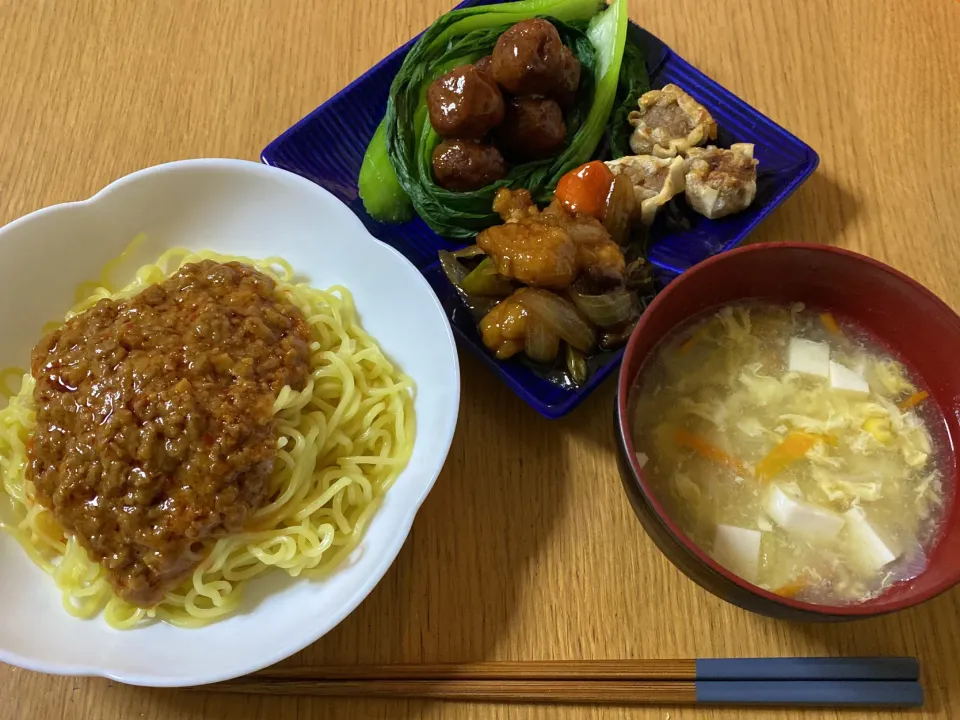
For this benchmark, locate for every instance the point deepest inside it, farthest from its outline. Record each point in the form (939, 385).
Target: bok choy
(397, 174)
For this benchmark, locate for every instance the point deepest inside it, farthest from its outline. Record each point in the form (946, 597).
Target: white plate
(249, 209)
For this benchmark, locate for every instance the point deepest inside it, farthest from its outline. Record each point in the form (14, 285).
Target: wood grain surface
(527, 547)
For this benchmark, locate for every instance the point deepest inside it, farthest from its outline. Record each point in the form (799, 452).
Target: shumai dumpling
(721, 182)
(669, 122)
(655, 180)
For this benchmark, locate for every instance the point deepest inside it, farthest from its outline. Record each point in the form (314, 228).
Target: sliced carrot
(830, 323)
(794, 447)
(688, 344)
(585, 189)
(913, 400)
(826, 438)
(705, 448)
(794, 587)
(790, 589)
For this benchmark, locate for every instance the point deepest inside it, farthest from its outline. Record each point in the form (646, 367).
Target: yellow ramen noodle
(341, 442)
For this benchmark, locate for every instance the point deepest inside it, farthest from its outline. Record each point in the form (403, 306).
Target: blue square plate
(327, 147)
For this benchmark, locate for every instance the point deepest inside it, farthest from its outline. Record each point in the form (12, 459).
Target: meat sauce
(155, 433)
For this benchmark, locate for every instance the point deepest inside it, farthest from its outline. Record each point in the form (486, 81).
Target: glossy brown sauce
(155, 432)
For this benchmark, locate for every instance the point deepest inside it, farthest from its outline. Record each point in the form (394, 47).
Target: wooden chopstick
(526, 691)
(494, 670)
(780, 693)
(786, 668)
(891, 682)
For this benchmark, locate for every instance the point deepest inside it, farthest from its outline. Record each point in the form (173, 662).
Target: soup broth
(794, 449)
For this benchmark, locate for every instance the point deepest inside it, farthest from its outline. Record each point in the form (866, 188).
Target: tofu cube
(738, 550)
(866, 549)
(845, 379)
(809, 358)
(805, 520)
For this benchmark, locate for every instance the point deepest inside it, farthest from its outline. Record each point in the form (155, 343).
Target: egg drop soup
(794, 449)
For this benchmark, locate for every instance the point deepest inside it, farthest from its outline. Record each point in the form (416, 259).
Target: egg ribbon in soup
(797, 451)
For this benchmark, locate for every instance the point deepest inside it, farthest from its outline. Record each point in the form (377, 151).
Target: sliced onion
(452, 268)
(606, 310)
(456, 273)
(559, 315)
(470, 251)
(576, 365)
(542, 344)
(620, 204)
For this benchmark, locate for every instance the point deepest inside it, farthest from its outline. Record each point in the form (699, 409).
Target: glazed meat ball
(532, 129)
(528, 58)
(485, 65)
(462, 165)
(464, 103)
(565, 93)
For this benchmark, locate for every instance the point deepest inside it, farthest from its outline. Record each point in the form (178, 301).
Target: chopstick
(497, 670)
(785, 668)
(878, 681)
(503, 691)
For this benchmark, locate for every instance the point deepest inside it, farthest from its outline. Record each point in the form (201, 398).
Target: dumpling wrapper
(655, 181)
(721, 182)
(669, 122)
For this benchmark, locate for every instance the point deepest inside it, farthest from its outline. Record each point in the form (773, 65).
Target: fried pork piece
(514, 205)
(504, 328)
(600, 259)
(549, 249)
(532, 252)
(655, 181)
(721, 182)
(669, 122)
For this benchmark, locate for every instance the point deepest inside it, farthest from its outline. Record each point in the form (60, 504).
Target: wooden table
(527, 547)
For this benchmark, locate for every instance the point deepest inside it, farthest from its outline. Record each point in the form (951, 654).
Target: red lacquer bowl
(900, 313)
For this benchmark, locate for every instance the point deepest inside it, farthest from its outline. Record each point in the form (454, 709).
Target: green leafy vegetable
(485, 281)
(634, 82)
(382, 194)
(466, 35)
(576, 366)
